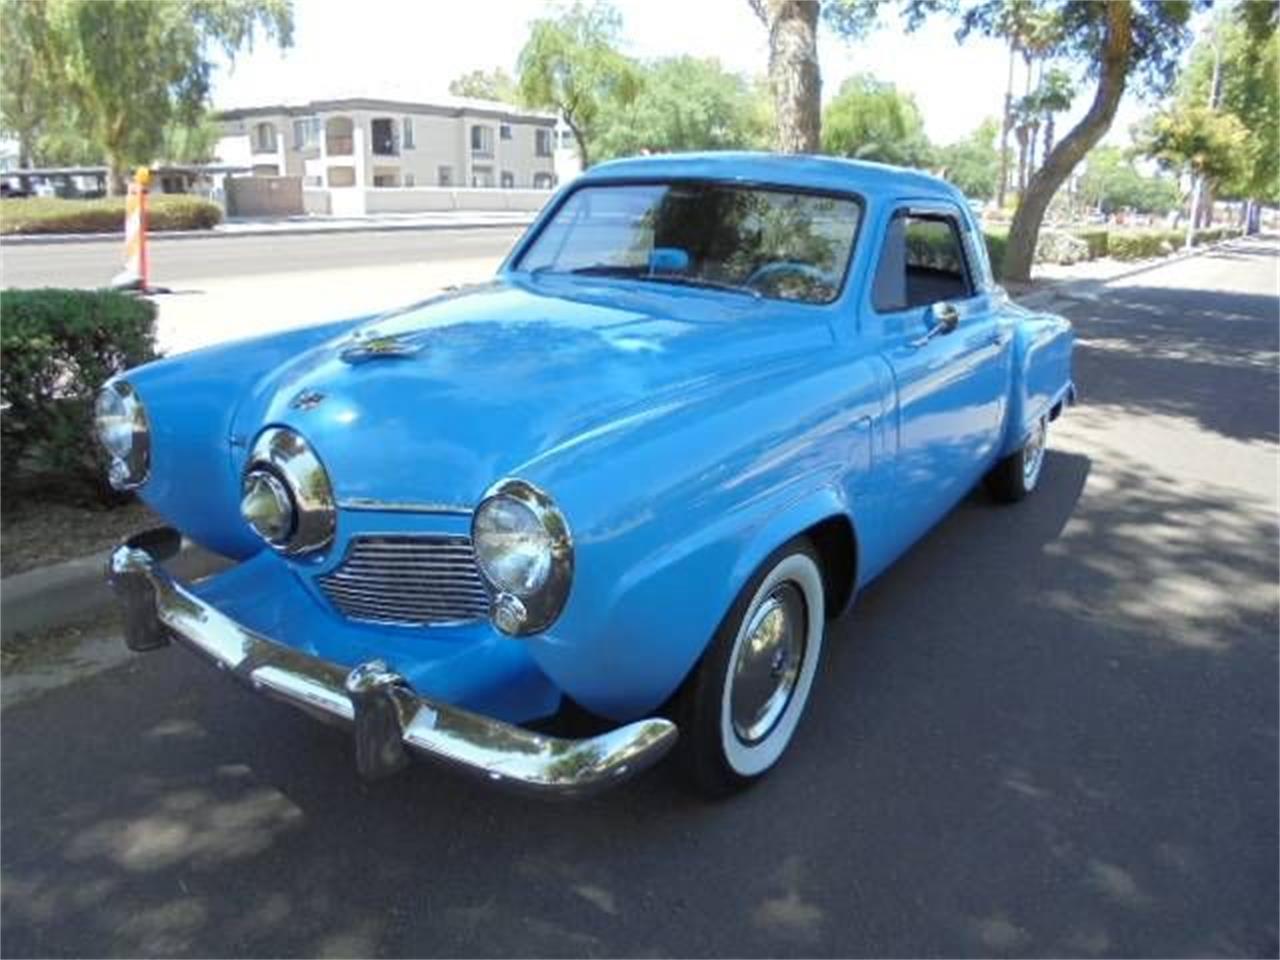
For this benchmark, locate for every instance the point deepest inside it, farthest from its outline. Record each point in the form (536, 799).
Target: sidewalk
(260, 226)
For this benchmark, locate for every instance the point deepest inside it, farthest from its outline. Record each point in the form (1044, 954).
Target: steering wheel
(770, 272)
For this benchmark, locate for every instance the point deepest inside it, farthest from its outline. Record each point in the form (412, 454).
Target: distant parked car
(704, 401)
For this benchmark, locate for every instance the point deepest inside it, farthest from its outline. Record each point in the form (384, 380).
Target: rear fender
(1041, 374)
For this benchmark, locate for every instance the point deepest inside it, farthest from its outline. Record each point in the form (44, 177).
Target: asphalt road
(1050, 730)
(187, 260)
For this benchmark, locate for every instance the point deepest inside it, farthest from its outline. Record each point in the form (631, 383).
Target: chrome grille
(418, 580)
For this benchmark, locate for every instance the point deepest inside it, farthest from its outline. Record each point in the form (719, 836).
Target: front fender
(673, 514)
(191, 402)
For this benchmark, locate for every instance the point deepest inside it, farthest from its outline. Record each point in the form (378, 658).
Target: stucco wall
(426, 199)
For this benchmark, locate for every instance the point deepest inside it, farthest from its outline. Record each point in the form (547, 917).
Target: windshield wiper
(684, 281)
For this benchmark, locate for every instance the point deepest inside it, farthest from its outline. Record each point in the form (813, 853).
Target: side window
(922, 263)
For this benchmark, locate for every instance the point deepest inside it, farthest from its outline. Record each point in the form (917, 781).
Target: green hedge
(58, 347)
(1097, 241)
(996, 244)
(55, 215)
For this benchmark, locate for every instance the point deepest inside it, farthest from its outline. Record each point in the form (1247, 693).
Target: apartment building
(392, 144)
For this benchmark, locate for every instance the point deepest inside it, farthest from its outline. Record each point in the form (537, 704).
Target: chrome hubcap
(767, 663)
(1033, 455)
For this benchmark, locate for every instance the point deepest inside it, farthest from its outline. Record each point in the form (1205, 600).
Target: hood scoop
(363, 346)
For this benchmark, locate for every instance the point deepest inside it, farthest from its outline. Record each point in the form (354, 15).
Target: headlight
(285, 495)
(525, 552)
(121, 424)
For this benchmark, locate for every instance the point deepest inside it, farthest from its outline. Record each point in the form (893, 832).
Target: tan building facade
(371, 144)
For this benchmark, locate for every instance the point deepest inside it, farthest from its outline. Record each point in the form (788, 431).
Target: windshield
(756, 241)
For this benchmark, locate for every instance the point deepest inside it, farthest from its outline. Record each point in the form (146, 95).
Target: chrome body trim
(285, 453)
(390, 720)
(543, 605)
(373, 505)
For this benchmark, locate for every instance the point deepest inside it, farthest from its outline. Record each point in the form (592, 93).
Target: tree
(134, 71)
(495, 84)
(973, 164)
(794, 76)
(28, 96)
(1117, 42)
(571, 64)
(1249, 89)
(1110, 182)
(871, 120)
(1197, 140)
(684, 103)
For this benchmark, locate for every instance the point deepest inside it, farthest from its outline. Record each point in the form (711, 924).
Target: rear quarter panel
(1043, 345)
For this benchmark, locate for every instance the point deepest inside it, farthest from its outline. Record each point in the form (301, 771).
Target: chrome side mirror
(945, 319)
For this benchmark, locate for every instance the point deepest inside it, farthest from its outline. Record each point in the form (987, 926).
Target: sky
(411, 49)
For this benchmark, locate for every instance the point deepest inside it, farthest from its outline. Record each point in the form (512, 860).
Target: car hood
(440, 400)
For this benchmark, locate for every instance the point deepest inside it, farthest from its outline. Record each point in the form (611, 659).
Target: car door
(949, 349)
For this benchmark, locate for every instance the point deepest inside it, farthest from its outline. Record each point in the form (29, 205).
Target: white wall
(431, 199)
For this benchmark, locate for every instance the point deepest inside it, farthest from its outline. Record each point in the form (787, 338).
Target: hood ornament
(375, 346)
(307, 400)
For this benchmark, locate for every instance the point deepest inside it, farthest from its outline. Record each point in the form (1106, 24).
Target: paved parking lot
(1051, 729)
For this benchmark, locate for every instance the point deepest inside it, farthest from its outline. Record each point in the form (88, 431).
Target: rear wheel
(739, 708)
(1017, 475)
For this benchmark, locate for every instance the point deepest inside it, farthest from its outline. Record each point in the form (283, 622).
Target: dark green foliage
(1096, 240)
(55, 215)
(57, 347)
(996, 244)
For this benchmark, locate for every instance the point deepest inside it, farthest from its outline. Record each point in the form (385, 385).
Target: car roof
(791, 170)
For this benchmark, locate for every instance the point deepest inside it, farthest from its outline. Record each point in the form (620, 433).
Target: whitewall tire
(743, 702)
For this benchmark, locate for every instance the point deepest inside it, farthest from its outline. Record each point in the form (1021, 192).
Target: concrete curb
(49, 597)
(38, 239)
(1068, 289)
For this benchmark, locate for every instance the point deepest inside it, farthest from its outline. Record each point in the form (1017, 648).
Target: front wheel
(1014, 477)
(739, 708)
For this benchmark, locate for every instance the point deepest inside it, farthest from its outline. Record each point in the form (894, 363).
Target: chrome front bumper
(389, 719)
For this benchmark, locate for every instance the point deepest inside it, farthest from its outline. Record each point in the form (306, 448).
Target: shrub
(996, 244)
(57, 348)
(55, 215)
(1095, 240)
(1141, 244)
(1055, 246)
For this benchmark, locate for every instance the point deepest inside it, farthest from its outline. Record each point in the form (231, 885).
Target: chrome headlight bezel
(518, 611)
(287, 457)
(130, 465)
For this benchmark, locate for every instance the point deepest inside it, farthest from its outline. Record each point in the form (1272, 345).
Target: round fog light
(267, 507)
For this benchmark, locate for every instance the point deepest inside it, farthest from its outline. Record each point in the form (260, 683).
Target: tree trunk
(1004, 132)
(1021, 136)
(793, 72)
(1048, 136)
(1117, 47)
(583, 157)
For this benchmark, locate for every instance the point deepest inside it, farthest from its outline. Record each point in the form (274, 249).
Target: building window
(508, 179)
(504, 131)
(386, 177)
(383, 132)
(482, 141)
(311, 180)
(406, 133)
(264, 138)
(543, 181)
(444, 176)
(306, 133)
(542, 145)
(482, 176)
(410, 180)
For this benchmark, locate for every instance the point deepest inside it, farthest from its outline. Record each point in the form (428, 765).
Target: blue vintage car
(704, 401)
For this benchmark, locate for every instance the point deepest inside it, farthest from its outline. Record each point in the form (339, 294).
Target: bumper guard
(390, 720)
